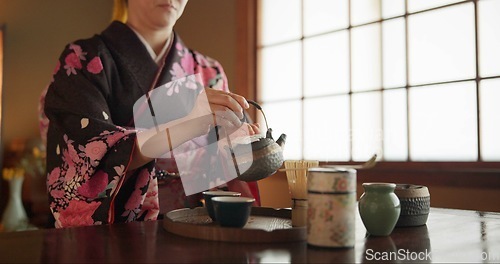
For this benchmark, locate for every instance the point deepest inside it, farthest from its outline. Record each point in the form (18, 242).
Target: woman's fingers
(230, 122)
(240, 99)
(228, 111)
(255, 128)
(225, 117)
(234, 102)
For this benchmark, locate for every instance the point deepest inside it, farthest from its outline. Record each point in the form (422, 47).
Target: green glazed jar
(379, 208)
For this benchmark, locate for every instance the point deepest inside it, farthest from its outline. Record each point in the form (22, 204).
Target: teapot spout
(281, 141)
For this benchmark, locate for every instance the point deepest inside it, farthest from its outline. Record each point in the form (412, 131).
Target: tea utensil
(367, 165)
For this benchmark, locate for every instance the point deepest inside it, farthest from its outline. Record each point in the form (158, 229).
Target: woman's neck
(155, 38)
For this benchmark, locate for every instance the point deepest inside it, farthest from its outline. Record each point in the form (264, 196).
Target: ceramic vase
(14, 217)
(379, 208)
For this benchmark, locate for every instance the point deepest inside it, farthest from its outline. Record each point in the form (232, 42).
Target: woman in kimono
(96, 173)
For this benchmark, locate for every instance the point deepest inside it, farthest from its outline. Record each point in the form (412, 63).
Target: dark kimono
(87, 118)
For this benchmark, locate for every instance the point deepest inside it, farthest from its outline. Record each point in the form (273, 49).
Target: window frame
(479, 174)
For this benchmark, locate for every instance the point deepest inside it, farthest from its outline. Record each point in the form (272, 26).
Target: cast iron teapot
(266, 156)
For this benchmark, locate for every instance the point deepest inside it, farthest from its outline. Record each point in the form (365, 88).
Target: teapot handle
(256, 105)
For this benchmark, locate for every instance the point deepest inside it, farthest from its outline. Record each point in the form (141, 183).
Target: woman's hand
(212, 108)
(219, 100)
(228, 109)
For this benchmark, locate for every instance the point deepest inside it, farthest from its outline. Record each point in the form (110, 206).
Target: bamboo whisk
(296, 174)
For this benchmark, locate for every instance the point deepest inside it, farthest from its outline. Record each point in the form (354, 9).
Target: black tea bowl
(208, 195)
(232, 211)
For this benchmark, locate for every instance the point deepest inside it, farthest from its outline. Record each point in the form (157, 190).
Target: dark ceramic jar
(415, 204)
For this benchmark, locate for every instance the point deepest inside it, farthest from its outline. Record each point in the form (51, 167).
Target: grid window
(325, 15)
(441, 45)
(394, 53)
(284, 83)
(395, 125)
(489, 39)
(490, 119)
(365, 58)
(443, 123)
(392, 8)
(326, 64)
(281, 26)
(414, 80)
(331, 135)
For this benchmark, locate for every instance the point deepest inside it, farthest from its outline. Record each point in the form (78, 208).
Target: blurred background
(416, 84)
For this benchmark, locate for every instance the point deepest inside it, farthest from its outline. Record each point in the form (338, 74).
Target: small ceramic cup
(208, 195)
(415, 204)
(232, 211)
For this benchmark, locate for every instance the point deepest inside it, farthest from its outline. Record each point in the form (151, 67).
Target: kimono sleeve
(87, 154)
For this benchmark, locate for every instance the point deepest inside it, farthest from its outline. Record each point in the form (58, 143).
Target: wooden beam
(246, 57)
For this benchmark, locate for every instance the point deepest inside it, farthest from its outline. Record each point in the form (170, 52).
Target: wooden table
(449, 236)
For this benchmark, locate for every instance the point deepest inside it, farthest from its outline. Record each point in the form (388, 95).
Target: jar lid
(411, 191)
(380, 184)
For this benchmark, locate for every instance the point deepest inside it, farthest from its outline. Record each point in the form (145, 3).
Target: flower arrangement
(12, 173)
(24, 157)
(33, 162)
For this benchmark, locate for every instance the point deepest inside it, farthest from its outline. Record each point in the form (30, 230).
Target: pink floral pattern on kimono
(212, 76)
(73, 63)
(95, 66)
(77, 213)
(138, 197)
(77, 186)
(77, 182)
(85, 113)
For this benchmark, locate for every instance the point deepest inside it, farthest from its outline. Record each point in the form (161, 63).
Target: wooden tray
(265, 225)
